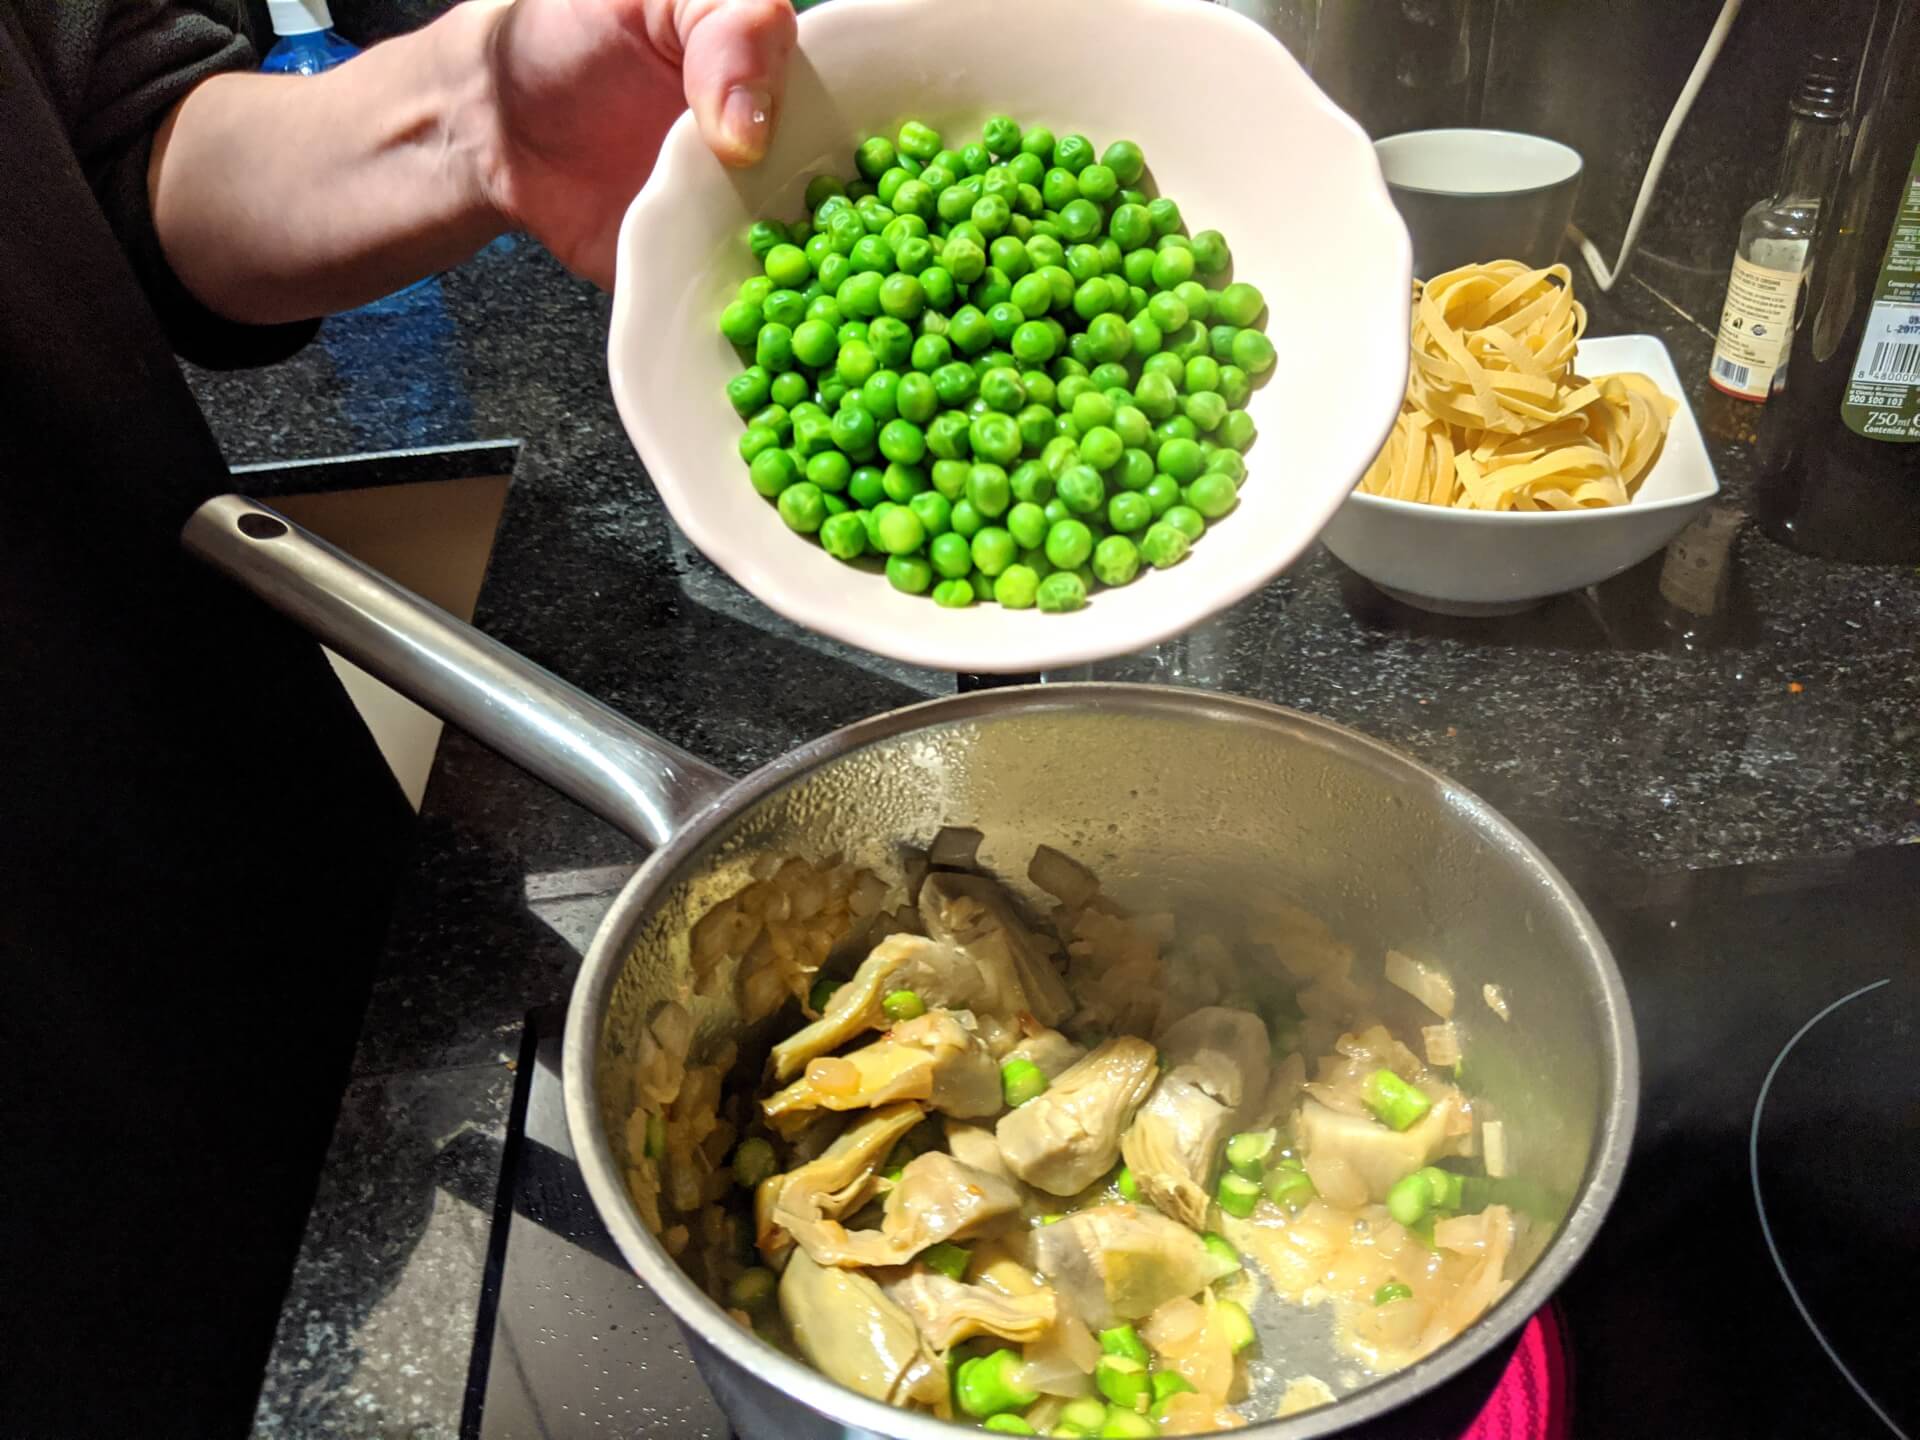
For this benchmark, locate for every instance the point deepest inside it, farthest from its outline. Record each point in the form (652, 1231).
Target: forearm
(278, 198)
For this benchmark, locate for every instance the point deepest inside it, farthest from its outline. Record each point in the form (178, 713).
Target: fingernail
(745, 119)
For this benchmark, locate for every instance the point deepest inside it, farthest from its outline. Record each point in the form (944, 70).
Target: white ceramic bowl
(1232, 128)
(1476, 562)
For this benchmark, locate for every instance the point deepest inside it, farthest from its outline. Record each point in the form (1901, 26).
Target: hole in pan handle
(555, 731)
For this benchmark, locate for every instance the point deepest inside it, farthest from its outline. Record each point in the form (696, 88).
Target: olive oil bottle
(1840, 449)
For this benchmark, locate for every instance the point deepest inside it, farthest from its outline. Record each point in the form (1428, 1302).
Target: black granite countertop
(1792, 732)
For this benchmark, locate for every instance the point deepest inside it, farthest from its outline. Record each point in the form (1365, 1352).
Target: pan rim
(706, 1322)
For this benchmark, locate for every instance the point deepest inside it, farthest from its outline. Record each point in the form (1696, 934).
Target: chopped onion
(1304, 1392)
(1425, 984)
(1493, 1140)
(830, 1075)
(956, 846)
(1442, 1045)
(1062, 877)
(1496, 999)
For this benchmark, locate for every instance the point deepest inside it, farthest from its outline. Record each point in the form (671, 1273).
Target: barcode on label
(1892, 360)
(1730, 372)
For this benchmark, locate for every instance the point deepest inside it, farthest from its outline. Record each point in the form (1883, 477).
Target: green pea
(901, 532)
(773, 350)
(909, 574)
(917, 397)
(903, 441)
(1008, 1423)
(1001, 135)
(1239, 304)
(1180, 457)
(830, 470)
(1100, 447)
(988, 489)
(1035, 423)
(1069, 543)
(1252, 352)
(1155, 395)
(1124, 304)
(1162, 494)
(811, 433)
(966, 521)
(749, 390)
(902, 482)
(1082, 490)
(1171, 267)
(1187, 342)
(813, 343)
(992, 215)
(800, 507)
(953, 595)
(763, 236)
(1222, 461)
(1163, 547)
(1079, 220)
(1061, 592)
(844, 536)
(949, 554)
(1128, 512)
(880, 396)
(865, 489)
(888, 186)
(787, 267)
(996, 437)
(1198, 299)
(772, 471)
(754, 439)
(1037, 141)
(1136, 268)
(970, 331)
(1061, 278)
(993, 550)
(1016, 587)
(1205, 409)
(1187, 520)
(1236, 431)
(1116, 560)
(1032, 481)
(1164, 214)
(832, 390)
(1235, 386)
(949, 437)
(1131, 227)
(1058, 188)
(1043, 250)
(1134, 472)
(1123, 157)
(920, 141)
(955, 383)
(740, 321)
(1000, 387)
(1099, 184)
(930, 352)
(1026, 523)
(775, 417)
(1108, 338)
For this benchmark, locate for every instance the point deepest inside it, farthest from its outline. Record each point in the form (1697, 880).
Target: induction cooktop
(1758, 1277)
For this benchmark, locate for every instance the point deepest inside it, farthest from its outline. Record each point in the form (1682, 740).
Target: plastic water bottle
(307, 43)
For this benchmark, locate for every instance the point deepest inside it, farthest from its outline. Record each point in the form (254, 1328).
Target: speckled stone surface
(1795, 731)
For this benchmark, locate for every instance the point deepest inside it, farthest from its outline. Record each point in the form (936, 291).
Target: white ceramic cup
(1474, 195)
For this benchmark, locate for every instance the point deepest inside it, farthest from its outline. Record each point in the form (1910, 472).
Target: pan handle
(591, 753)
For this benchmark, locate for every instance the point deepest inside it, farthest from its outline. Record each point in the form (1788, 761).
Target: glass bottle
(1769, 263)
(1840, 450)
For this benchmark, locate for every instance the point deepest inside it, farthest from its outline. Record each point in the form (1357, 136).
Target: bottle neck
(1813, 146)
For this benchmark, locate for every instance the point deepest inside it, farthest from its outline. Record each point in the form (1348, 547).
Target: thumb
(735, 72)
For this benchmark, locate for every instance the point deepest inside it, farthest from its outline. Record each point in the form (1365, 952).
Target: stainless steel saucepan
(1200, 802)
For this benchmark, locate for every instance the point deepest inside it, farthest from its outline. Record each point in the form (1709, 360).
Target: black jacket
(196, 833)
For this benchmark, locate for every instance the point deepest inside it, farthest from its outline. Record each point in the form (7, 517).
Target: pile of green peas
(999, 368)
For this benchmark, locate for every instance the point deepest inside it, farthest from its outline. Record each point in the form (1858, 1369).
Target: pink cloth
(1532, 1400)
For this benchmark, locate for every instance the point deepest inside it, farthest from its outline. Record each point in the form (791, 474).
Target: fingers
(735, 70)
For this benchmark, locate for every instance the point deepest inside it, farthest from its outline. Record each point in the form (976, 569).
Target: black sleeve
(116, 68)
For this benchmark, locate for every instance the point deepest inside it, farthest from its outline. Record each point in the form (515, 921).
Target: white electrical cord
(1603, 274)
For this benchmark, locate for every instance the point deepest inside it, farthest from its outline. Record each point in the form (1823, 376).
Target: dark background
(1600, 75)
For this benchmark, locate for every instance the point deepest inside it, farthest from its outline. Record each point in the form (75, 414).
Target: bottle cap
(299, 17)
(1823, 92)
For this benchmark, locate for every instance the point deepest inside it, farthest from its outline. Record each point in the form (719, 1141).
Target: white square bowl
(1232, 128)
(1479, 562)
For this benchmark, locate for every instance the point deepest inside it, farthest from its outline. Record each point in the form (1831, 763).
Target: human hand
(582, 94)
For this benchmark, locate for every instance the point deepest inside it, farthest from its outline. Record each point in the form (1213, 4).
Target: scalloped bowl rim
(959, 640)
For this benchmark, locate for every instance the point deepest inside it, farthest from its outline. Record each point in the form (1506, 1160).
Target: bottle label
(1754, 329)
(1882, 400)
